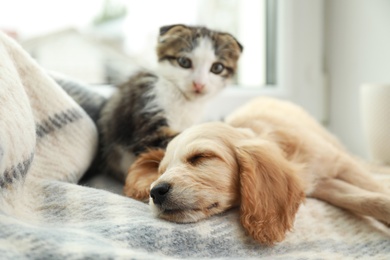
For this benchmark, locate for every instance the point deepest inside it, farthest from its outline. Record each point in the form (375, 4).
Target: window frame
(299, 63)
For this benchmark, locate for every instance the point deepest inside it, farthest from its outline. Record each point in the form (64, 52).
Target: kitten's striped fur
(148, 110)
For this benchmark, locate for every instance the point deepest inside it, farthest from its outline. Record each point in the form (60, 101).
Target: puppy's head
(212, 167)
(199, 175)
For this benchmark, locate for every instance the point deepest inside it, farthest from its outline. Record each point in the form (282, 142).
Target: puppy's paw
(137, 193)
(142, 173)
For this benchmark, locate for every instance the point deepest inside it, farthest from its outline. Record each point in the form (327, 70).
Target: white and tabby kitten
(147, 111)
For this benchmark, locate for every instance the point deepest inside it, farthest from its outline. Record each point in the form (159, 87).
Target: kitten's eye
(217, 68)
(184, 62)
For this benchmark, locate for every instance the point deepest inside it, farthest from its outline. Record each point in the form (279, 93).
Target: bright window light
(136, 31)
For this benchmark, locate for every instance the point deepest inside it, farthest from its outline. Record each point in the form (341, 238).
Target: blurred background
(100, 41)
(317, 53)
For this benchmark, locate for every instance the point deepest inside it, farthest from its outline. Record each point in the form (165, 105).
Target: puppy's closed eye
(198, 158)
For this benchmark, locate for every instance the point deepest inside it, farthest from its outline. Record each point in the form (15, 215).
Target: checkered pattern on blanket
(47, 142)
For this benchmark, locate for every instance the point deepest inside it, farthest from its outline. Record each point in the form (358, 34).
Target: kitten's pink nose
(198, 87)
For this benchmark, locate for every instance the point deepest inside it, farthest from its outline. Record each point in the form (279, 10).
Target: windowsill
(244, 91)
(234, 96)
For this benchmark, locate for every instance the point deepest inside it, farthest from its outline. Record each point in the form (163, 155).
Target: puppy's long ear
(142, 173)
(270, 191)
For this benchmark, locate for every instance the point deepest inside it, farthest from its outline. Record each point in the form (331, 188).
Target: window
(130, 26)
(102, 40)
(245, 19)
(294, 58)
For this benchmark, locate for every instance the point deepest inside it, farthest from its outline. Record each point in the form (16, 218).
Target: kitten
(147, 111)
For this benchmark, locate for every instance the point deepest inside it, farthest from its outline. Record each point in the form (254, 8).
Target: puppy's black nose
(159, 192)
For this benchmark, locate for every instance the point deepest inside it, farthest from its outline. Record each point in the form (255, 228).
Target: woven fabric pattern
(47, 141)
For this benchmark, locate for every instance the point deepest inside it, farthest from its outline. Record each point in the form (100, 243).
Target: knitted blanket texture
(47, 142)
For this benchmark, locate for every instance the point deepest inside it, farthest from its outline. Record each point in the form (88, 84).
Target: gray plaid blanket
(46, 144)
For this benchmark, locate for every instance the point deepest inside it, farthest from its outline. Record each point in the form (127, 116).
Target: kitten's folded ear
(239, 44)
(166, 28)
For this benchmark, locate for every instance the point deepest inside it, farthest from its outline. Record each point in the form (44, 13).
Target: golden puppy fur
(142, 173)
(266, 157)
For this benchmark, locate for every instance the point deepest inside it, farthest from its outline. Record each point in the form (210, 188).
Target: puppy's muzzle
(159, 192)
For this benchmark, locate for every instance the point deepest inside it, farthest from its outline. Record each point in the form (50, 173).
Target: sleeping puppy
(266, 157)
